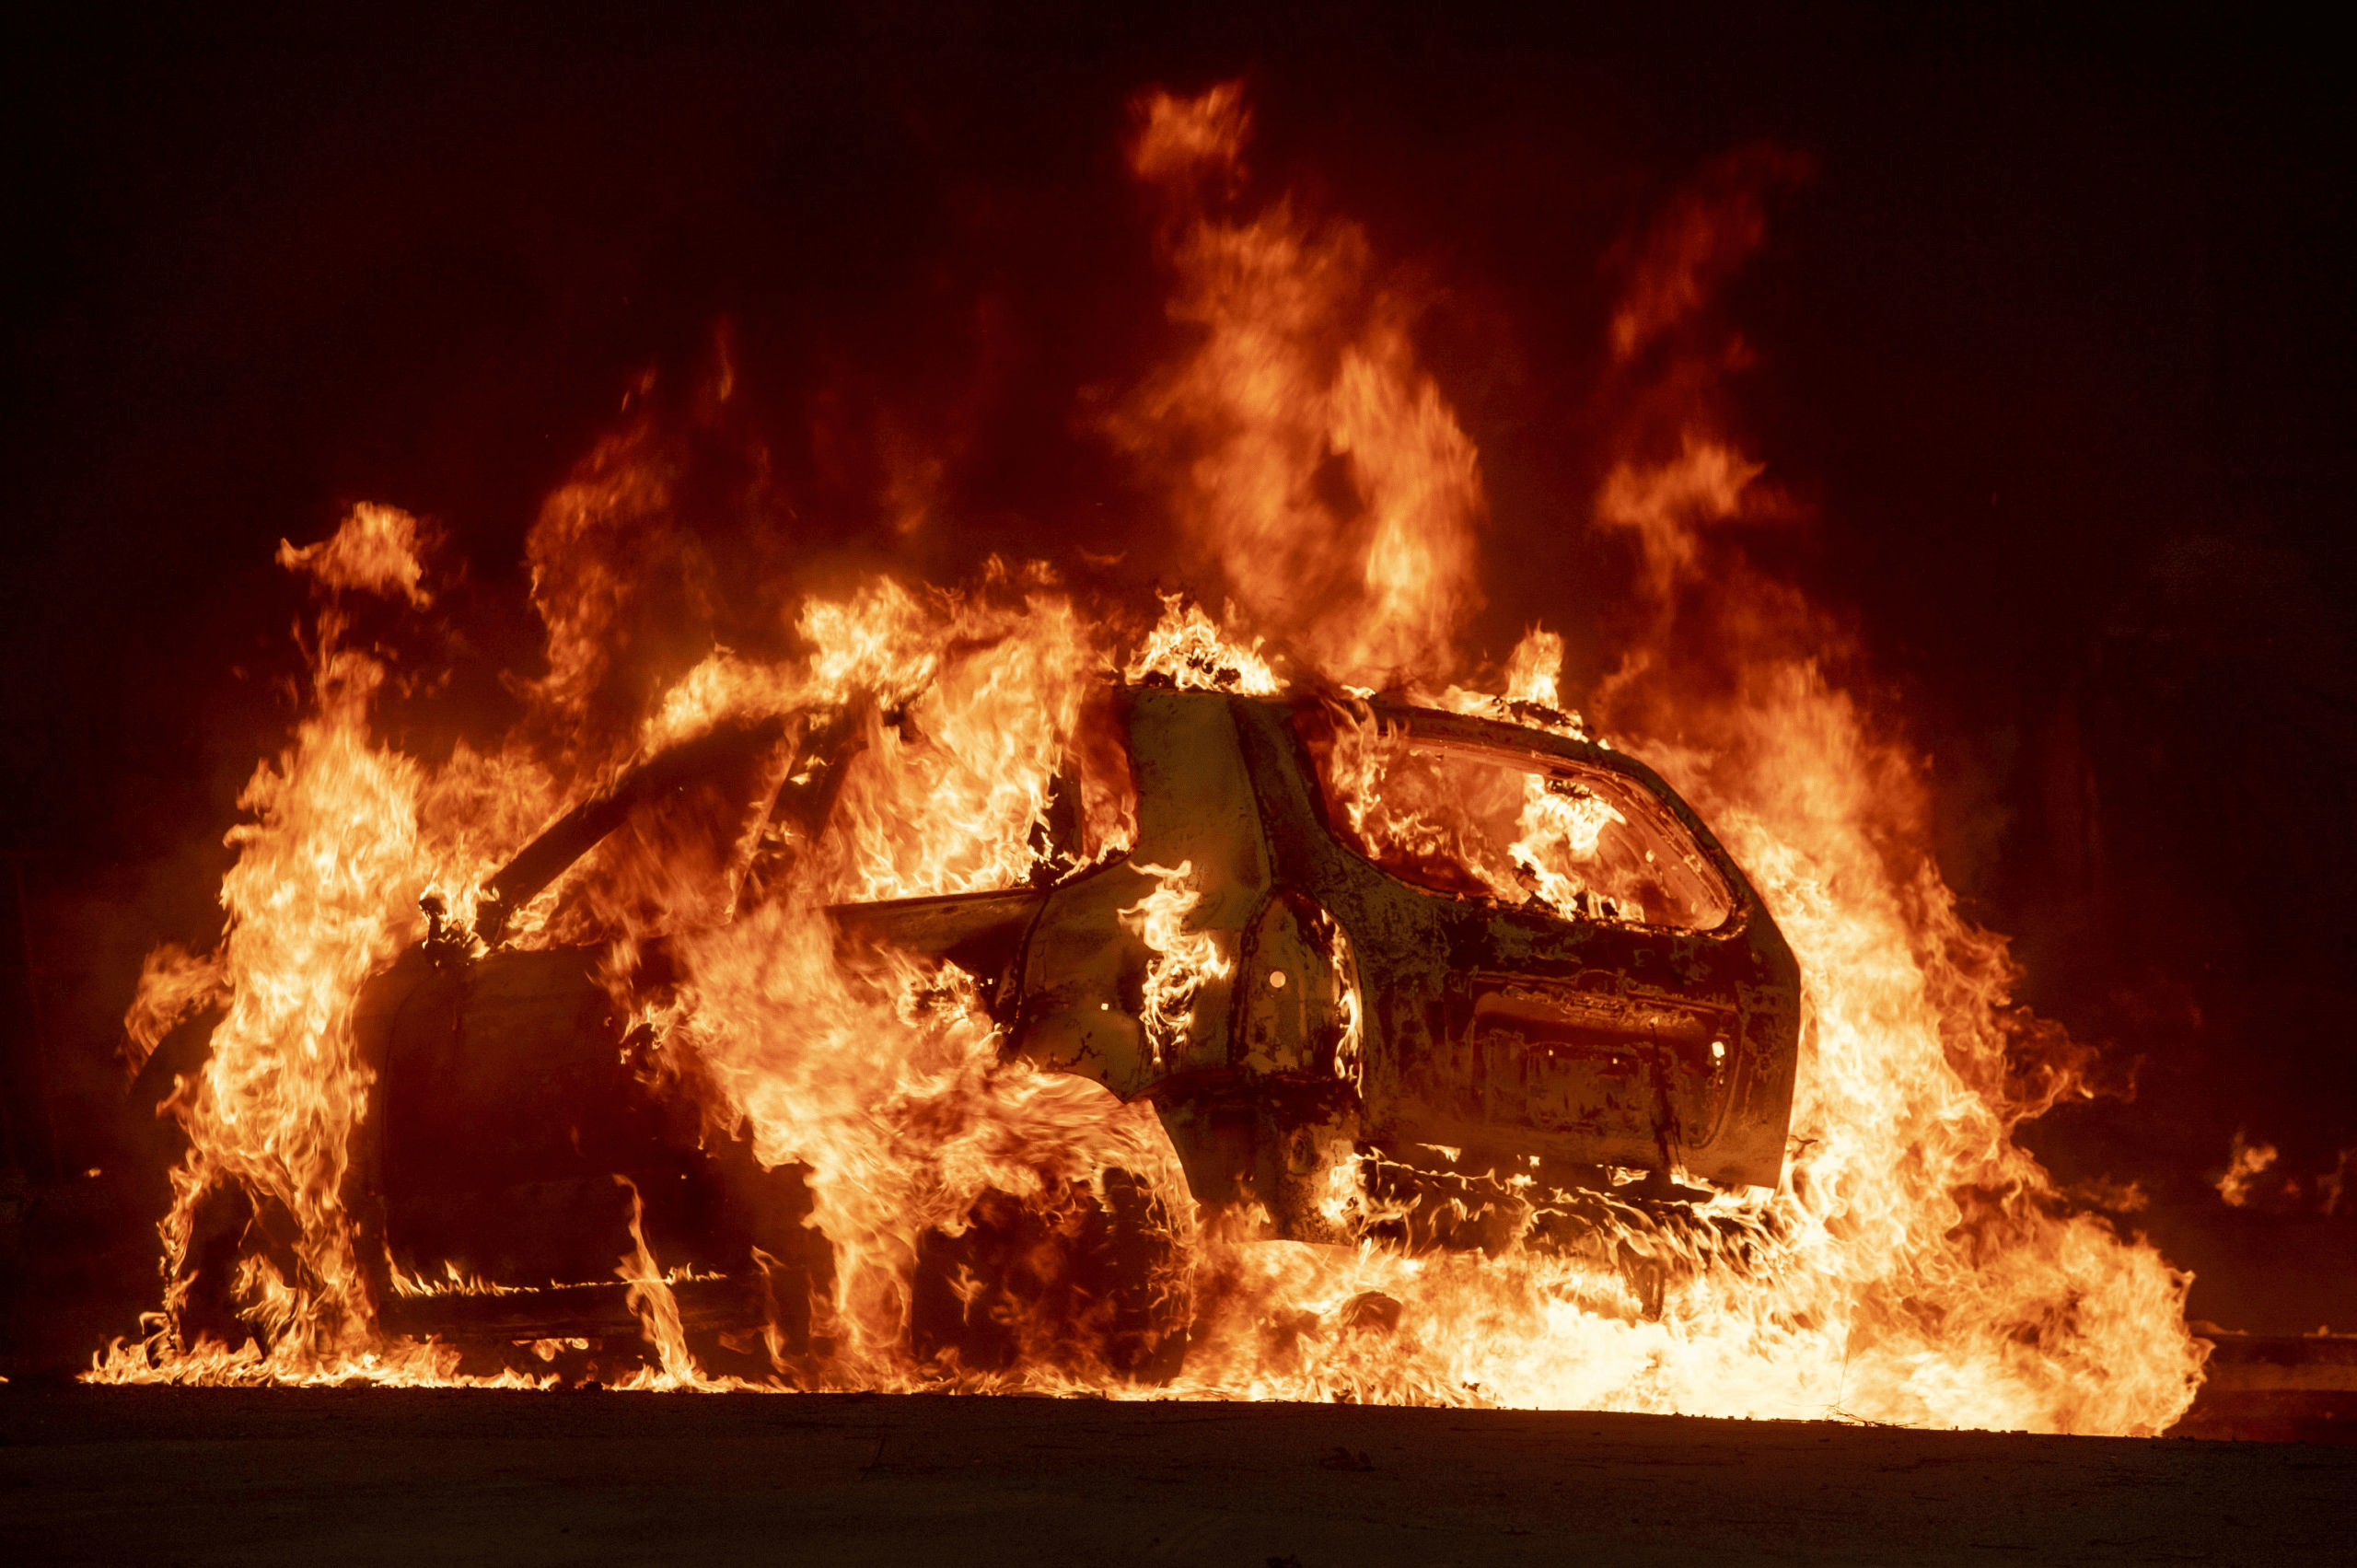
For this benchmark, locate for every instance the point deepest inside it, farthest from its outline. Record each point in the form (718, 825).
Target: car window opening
(1520, 829)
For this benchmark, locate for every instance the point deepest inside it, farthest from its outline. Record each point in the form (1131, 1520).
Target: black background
(2056, 349)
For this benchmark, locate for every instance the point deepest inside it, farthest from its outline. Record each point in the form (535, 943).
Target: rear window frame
(1544, 753)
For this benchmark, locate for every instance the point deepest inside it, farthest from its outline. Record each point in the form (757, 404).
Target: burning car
(882, 1000)
(1381, 970)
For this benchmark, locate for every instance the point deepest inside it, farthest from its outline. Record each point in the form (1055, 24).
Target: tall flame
(1309, 452)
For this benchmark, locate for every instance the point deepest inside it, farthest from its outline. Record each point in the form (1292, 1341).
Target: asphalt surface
(135, 1476)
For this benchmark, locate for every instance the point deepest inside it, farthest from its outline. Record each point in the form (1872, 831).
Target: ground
(451, 1476)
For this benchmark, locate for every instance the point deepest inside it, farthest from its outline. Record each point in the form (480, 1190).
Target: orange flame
(1183, 959)
(1309, 454)
(658, 1310)
(374, 551)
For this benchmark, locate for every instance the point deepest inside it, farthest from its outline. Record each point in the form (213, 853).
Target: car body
(1356, 1016)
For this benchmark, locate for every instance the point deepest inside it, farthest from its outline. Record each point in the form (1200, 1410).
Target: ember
(1008, 987)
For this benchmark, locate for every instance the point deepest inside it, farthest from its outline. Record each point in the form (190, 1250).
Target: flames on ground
(1915, 1265)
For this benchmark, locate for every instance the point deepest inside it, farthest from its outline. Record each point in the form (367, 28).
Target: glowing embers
(1473, 813)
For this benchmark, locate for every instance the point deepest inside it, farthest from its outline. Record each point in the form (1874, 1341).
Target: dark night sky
(2057, 346)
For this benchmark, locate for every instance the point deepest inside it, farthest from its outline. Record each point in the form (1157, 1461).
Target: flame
(1667, 505)
(1183, 961)
(1535, 669)
(1916, 1264)
(174, 983)
(658, 1310)
(2247, 1163)
(1188, 648)
(888, 1085)
(374, 551)
(1309, 452)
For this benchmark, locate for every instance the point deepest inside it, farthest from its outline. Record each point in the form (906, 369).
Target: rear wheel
(1067, 1281)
